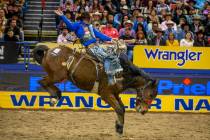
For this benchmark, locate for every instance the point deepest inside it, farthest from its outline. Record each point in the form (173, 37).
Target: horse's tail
(39, 52)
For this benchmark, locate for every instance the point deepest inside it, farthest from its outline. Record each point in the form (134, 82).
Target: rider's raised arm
(70, 25)
(101, 36)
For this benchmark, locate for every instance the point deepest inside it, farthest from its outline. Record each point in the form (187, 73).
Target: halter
(140, 95)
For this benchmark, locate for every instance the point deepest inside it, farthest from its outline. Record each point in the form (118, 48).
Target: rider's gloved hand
(114, 40)
(59, 12)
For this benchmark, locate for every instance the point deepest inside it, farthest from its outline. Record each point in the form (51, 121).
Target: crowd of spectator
(11, 20)
(145, 22)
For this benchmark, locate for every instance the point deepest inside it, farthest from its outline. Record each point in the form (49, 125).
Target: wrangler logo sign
(40, 100)
(171, 57)
(182, 57)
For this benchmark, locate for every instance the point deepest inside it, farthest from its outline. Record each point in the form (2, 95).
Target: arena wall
(40, 100)
(184, 88)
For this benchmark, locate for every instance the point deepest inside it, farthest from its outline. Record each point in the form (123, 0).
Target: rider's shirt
(83, 32)
(87, 35)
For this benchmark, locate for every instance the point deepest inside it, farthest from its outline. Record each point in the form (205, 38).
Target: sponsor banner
(40, 100)
(196, 86)
(172, 57)
(8, 52)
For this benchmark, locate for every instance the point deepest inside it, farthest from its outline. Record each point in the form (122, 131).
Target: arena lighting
(187, 81)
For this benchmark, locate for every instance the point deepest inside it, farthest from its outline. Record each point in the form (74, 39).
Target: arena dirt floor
(91, 125)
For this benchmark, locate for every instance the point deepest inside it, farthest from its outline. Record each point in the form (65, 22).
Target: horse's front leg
(119, 109)
(49, 86)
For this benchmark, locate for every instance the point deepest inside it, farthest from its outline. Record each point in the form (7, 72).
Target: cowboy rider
(87, 35)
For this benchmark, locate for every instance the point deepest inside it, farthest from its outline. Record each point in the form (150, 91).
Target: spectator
(158, 40)
(162, 6)
(206, 11)
(110, 7)
(187, 41)
(20, 3)
(104, 17)
(135, 13)
(9, 36)
(2, 27)
(96, 16)
(168, 18)
(83, 6)
(2, 16)
(140, 19)
(128, 37)
(162, 16)
(200, 40)
(153, 17)
(190, 15)
(69, 6)
(127, 24)
(97, 25)
(125, 18)
(14, 28)
(18, 21)
(2, 4)
(116, 3)
(140, 38)
(180, 31)
(65, 37)
(129, 40)
(196, 24)
(183, 16)
(16, 10)
(148, 9)
(137, 5)
(186, 28)
(110, 31)
(9, 12)
(201, 3)
(118, 18)
(191, 3)
(171, 40)
(178, 14)
(170, 29)
(207, 25)
(96, 6)
(123, 3)
(140, 28)
(152, 33)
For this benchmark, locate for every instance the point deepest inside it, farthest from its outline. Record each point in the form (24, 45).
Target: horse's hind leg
(49, 86)
(119, 109)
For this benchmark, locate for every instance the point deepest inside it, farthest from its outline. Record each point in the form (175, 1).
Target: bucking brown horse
(63, 63)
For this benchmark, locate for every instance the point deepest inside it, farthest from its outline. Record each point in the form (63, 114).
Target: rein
(140, 93)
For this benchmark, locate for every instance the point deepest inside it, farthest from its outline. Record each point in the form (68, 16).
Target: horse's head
(145, 95)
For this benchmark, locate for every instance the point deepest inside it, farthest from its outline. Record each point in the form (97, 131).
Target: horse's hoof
(119, 128)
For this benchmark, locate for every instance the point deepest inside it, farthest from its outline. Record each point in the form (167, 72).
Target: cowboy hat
(97, 13)
(196, 17)
(140, 15)
(125, 7)
(168, 14)
(159, 30)
(169, 22)
(128, 22)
